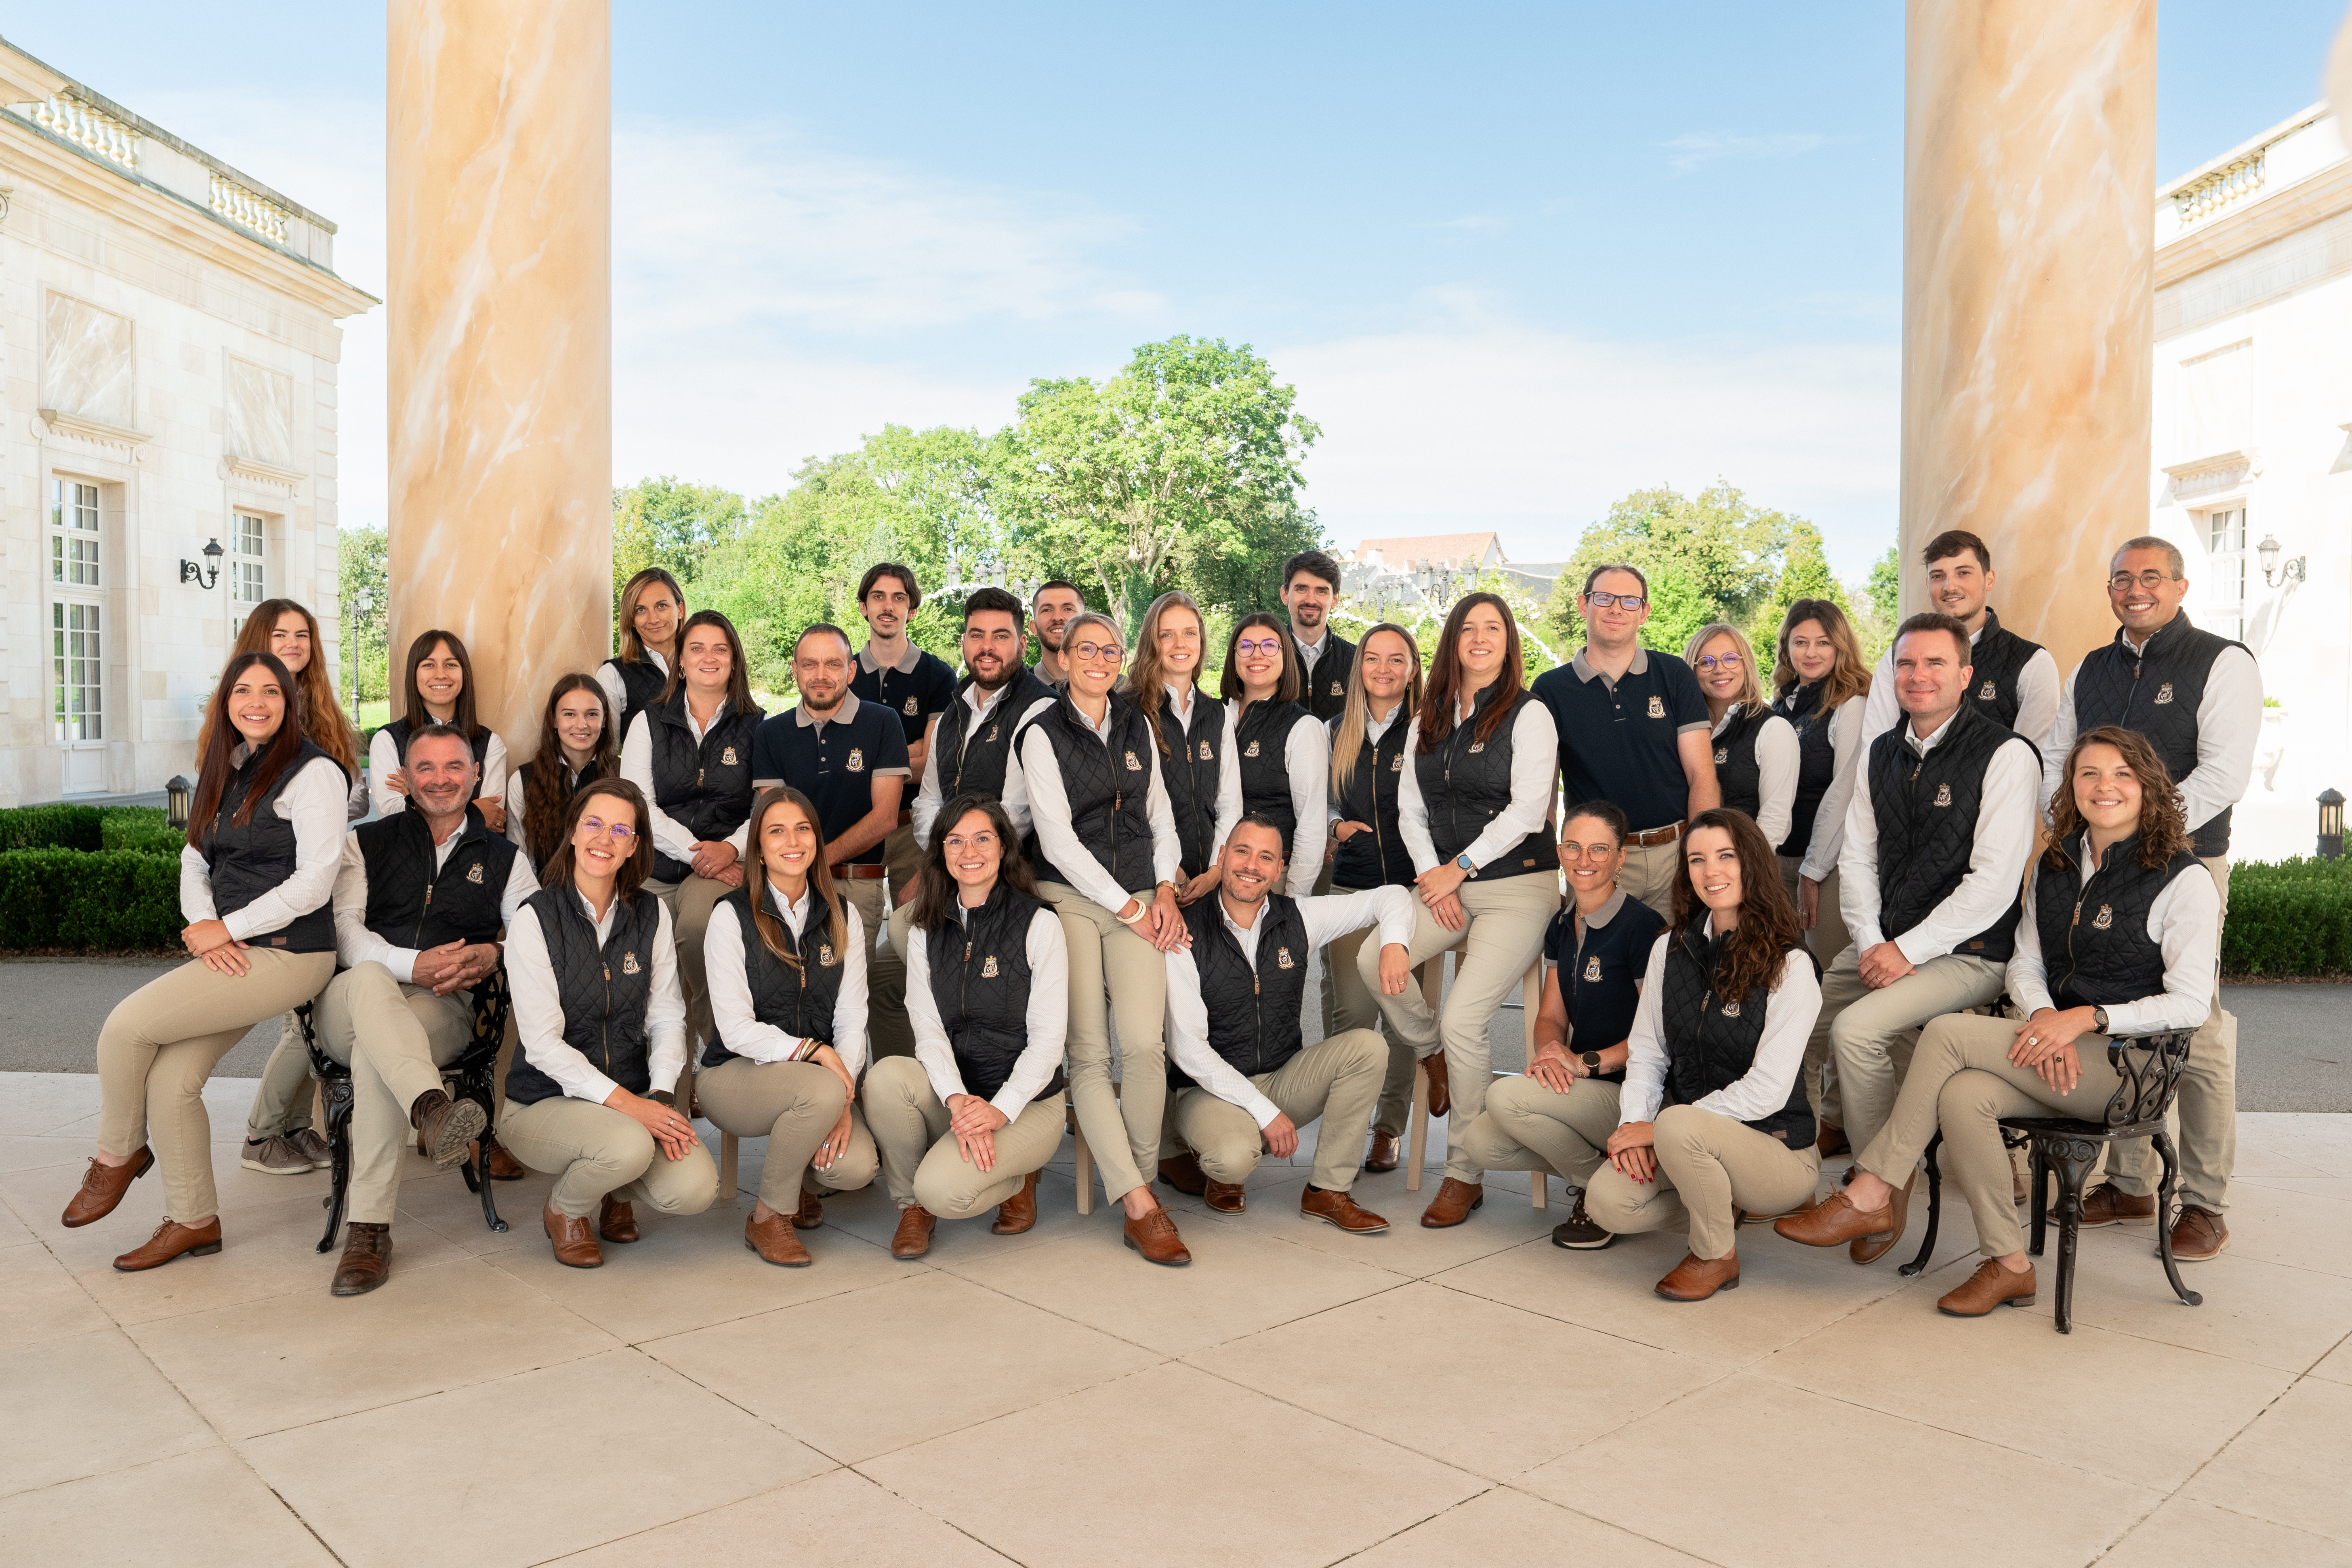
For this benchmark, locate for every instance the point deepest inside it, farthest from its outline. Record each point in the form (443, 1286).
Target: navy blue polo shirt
(834, 764)
(1601, 981)
(913, 694)
(1619, 743)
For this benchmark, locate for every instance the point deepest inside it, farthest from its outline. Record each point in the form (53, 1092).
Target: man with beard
(1310, 586)
(1053, 606)
(908, 682)
(2013, 682)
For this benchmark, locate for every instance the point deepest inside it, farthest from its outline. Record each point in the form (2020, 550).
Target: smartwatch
(1591, 1060)
(1469, 867)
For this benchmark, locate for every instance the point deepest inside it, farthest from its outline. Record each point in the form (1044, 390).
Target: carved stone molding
(260, 472)
(97, 433)
(2214, 475)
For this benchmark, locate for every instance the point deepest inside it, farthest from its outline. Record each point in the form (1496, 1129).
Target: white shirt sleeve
(514, 799)
(1535, 764)
(2027, 978)
(931, 1047)
(539, 1014)
(2002, 843)
(850, 1004)
(1167, 849)
(728, 985)
(494, 770)
(1764, 1088)
(522, 885)
(195, 887)
(637, 767)
(1229, 785)
(2037, 697)
(1187, 1041)
(2061, 741)
(1306, 754)
(384, 760)
(665, 1011)
(1048, 1016)
(1858, 868)
(1776, 786)
(1848, 724)
(2229, 727)
(1885, 708)
(928, 800)
(1050, 818)
(1645, 1045)
(354, 943)
(616, 695)
(1014, 798)
(2184, 921)
(1335, 914)
(1412, 813)
(313, 800)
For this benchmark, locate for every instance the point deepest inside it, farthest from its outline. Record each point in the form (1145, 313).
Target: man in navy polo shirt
(902, 680)
(850, 758)
(1634, 730)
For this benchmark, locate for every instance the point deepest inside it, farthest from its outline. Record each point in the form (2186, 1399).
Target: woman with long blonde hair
(1755, 748)
(285, 629)
(1195, 737)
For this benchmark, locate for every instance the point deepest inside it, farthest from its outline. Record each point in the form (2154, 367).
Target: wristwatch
(1591, 1060)
(1469, 867)
(2099, 1020)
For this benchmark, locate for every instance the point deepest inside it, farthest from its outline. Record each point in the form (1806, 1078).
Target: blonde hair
(1751, 684)
(1356, 712)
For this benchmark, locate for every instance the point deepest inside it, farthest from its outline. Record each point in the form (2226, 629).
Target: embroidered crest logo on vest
(910, 705)
(474, 873)
(1252, 750)
(1208, 752)
(1396, 764)
(988, 967)
(1657, 709)
(629, 965)
(1477, 746)
(991, 733)
(1592, 967)
(1987, 692)
(727, 758)
(1943, 794)
(825, 955)
(1339, 689)
(2164, 694)
(1722, 755)
(1731, 1009)
(1282, 958)
(857, 764)
(1133, 766)
(2105, 918)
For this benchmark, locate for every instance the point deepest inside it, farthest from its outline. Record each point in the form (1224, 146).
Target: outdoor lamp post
(363, 601)
(2272, 575)
(2331, 824)
(176, 795)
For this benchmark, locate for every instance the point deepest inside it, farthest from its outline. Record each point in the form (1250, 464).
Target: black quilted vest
(411, 905)
(245, 860)
(1109, 786)
(1252, 1010)
(1737, 771)
(1816, 761)
(641, 687)
(2155, 693)
(970, 752)
(1711, 1041)
(1262, 751)
(1997, 661)
(1926, 809)
(706, 787)
(980, 982)
(401, 729)
(795, 994)
(2095, 949)
(1325, 692)
(1378, 858)
(1189, 772)
(605, 990)
(1466, 784)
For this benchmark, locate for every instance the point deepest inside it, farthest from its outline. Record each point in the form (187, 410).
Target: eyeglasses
(956, 841)
(1725, 661)
(619, 832)
(1622, 601)
(1091, 651)
(2122, 582)
(1269, 646)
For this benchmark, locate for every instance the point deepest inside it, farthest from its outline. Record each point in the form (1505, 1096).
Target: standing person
(634, 680)
(1282, 753)
(969, 750)
(2014, 682)
(2198, 697)
(910, 683)
(1195, 735)
(848, 757)
(1632, 727)
(1054, 607)
(788, 963)
(1310, 591)
(1368, 762)
(1755, 748)
(578, 745)
(1823, 690)
(265, 835)
(689, 754)
(967, 1122)
(438, 688)
(1472, 807)
(1713, 1117)
(1103, 843)
(594, 972)
(1242, 1076)
(1558, 1116)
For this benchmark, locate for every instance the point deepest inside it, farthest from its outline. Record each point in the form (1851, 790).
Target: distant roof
(1447, 547)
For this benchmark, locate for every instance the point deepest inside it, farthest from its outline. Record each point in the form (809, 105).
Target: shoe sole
(1373, 1170)
(2148, 1220)
(2180, 1257)
(361, 1290)
(301, 1170)
(464, 1123)
(1730, 1284)
(778, 1262)
(1583, 1246)
(207, 1251)
(1345, 1229)
(1163, 1262)
(1475, 1204)
(1023, 1228)
(1240, 1206)
(2013, 1301)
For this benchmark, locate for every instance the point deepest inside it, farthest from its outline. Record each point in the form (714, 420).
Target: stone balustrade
(93, 129)
(249, 210)
(2233, 182)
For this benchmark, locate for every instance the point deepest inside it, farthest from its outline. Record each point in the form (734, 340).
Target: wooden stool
(1417, 1142)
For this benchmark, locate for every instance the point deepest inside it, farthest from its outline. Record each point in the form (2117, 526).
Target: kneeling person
(1240, 1078)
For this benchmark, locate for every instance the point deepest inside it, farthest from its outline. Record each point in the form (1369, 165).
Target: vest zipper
(422, 916)
(604, 1026)
(1257, 1005)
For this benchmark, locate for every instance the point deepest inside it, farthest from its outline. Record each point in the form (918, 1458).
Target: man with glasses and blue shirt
(1634, 730)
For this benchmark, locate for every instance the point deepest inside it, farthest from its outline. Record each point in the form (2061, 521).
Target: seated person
(1556, 1120)
(967, 1122)
(593, 969)
(788, 1001)
(1241, 1081)
(1713, 1118)
(2137, 938)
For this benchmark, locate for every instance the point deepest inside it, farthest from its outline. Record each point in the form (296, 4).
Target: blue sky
(1517, 259)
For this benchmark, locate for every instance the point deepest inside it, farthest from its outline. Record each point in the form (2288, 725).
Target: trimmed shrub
(51, 827)
(105, 898)
(141, 828)
(2289, 917)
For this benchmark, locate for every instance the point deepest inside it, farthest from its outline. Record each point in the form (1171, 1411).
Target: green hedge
(51, 828)
(2289, 917)
(105, 898)
(141, 829)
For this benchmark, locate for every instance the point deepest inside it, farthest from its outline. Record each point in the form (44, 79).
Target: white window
(2225, 559)
(247, 557)
(74, 560)
(77, 680)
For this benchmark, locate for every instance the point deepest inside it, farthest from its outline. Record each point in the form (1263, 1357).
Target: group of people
(890, 929)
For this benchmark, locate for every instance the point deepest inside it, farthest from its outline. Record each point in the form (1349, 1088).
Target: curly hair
(1767, 927)
(2163, 825)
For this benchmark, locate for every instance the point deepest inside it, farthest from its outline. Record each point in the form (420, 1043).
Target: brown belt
(905, 815)
(1654, 837)
(862, 871)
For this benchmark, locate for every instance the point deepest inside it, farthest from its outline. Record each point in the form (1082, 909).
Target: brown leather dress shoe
(811, 1212)
(1441, 1093)
(1990, 1286)
(1339, 1209)
(776, 1242)
(1154, 1235)
(2199, 1236)
(913, 1237)
(504, 1167)
(1453, 1204)
(574, 1242)
(1695, 1278)
(616, 1220)
(445, 1126)
(1871, 1248)
(1182, 1171)
(1832, 1142)
(171, 1239)
(1019, 1212)
(2108, 1204)
(1833, 1221)
(367, 1259)
(1388, 1150)
(102, 1186)
(1226, 1197)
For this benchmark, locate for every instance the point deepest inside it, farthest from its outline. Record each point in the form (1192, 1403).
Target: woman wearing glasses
(594, 970)
(1103, 843)
(1280, 749)
(1755, 748)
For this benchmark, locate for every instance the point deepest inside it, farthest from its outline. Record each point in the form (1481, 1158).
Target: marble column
(2028, 297)
(499, 185)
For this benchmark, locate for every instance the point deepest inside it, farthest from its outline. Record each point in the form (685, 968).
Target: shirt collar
(907, 661)
(797, 910)
(1225, 914)
(1934, 736)
(1316, 646)
(841, 715)
(1584, 671)
(1608, 911)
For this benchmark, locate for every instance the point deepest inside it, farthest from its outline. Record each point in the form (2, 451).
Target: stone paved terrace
(1295, 1396)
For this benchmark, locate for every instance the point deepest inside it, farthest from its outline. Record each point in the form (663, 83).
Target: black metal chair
(2149, 1066)
(473, 1076)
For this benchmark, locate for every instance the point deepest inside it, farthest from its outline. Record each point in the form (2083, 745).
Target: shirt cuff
(1262, 1110)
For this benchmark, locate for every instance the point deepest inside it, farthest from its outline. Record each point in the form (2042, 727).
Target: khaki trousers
(1872, 1031)
(1650, 873)
(1123, 1129)
(395, 1038)
(1707, 1164)
(888, 1032)
(1503, 935)
(1962, 1080)
(794, 1105)
(2205, 1111)
(592, 1151)
(1338, 1080)
(162, 1041)
(922, 1165)
(283, 1098)
(903, 856)
(1827, 940)
(1349, 1003)
(689, 903)
(1527, 1127)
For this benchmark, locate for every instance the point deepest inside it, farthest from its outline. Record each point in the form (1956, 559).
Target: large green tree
(360, 554)
(668, 523)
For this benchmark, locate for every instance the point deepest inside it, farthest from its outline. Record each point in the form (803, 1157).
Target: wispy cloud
(1696, 149)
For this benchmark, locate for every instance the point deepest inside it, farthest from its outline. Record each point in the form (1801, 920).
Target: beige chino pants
(1349, 1003)
(922, 1164)
(1827, 940)
(794, 1105)
(283, 1098)
(689, 903)
(1122, 1128)
(1338, 1080)
(1707, 1166)
(1529, 1127)
(592, 1151)
(2205, 1109)
(395, 1038)
(1650, 873)
(1870, 1033)
(888, 1032)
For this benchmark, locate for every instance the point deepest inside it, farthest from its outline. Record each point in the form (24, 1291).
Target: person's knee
(895, 1081)
(1611, 1201)
(1512, 1099)
(625, 1152)
(686, 1186)
(949, 1191)
(1486, 1143)
(1363, 1051)
(1966, 1100)
(822, 1097)
(1226, 1155)
(854, 1169)
(1681, 1127)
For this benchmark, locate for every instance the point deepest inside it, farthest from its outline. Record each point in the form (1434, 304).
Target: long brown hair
(633, 649)
(820, 877)
(739, 679)
(412, 706)
(1356, 713)
(1849, 677)
(544, 791)
(1438, 696)
(640, 863)
(1228, 684)
(221, 739)
(322, 716)
(936, 890)
(1757, 947)
(2163, 825)
(1146, 678)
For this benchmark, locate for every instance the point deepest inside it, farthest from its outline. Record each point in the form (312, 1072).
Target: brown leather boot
(1387, 1149)
(446, 1127)
(811, 1212)
(2199, 1234)
(504, 1167)
(1339, 1209)
(1871, 1248)
(171, 1239)
(367, 1259)
(1453, 1204)
(1441, 1093)
(1154, 1235)
(616, 1220)
(1990, 1286)
(574, 1242)
(1226, 1197)
(913, 1237)
(1019, 1212)
(102, 1186)
(2108, 1204)
(1182, 1171)
(775, 1239)
(1695, 1278)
